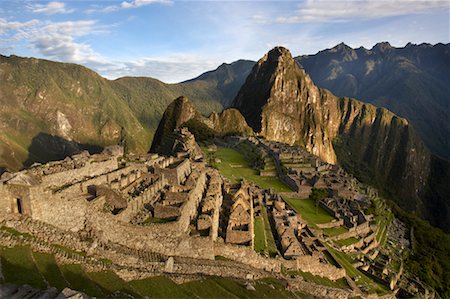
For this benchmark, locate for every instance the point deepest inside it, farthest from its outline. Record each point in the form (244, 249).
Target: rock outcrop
(182, 113)
(281, 103)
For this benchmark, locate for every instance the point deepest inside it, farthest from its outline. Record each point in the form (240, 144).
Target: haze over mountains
(49, 110)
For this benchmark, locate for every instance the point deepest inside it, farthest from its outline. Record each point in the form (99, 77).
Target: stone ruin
(155, 207)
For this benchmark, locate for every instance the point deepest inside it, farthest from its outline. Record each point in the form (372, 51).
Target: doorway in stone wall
(19, 205)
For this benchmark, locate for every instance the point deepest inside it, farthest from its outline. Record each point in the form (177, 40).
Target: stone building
(240, 223)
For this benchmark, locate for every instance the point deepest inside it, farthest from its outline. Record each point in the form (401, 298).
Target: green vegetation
(46, 264)
(206, 288)
(270, 241)
(69, 250)
(78, 280)
(340, 283)
(15, 232)
(318, 194)
(21, 266)
(310, 212)
(158, 287)
(109, 282)
(430, 259)
(234, 166)
(334, 231)
(201, 131)
(260, 235)
(264, 241)
(346, 242)
(18, 267)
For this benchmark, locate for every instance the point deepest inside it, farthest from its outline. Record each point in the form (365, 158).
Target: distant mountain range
(413, 82)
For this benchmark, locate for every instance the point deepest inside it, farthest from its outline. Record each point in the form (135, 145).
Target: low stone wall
(247, 256)
(313, 265)
(356, 231)
(331, 224)
(319, 291)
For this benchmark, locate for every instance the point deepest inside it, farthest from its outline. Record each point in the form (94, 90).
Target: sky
(178, 40)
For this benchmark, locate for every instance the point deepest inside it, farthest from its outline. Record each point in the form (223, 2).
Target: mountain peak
(277, 54)
(280, 102)
(382, 47)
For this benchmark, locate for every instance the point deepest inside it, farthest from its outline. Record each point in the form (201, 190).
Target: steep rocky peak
(183, 110)
(382, 47)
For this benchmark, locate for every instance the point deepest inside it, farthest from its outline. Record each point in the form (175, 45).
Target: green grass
(158, 287)
(48, 267)
(307, 208)
(15, 232)
(206, 288)
(260, 235)
(234, 166)
(340, 283)
(70, 250)
(110, 282)
(78, 280)
(270, 241)
(334, 231)
(346, 242)
(18, 267)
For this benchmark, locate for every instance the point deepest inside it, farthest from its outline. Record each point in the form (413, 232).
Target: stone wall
(313, 265)
(247, 256)
(331, 224)
(91, 169)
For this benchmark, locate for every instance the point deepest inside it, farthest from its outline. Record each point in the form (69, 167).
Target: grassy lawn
(78, 280)
(346, 242)
(48, 267)
(18, 267)
(307, 208)
(234, 166)
(206, 288)
(340, 283)
(334, 231)
(270, 241)
(110, 282)
(260, 235)
(158, 287)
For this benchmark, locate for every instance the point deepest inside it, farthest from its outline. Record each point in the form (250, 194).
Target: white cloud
(6, 26)
(344, 11)
(125, 5)
(60, 41)
(50, 8)
(170, 69)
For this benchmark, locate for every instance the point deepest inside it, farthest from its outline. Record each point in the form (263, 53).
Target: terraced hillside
(20, 265)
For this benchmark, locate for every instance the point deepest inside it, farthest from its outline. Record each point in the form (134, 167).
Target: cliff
(182, 113)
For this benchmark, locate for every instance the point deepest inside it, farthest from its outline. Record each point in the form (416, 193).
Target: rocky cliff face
(280, 102)
(182, 113)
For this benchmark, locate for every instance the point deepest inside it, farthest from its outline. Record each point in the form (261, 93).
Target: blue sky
(177, 40)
